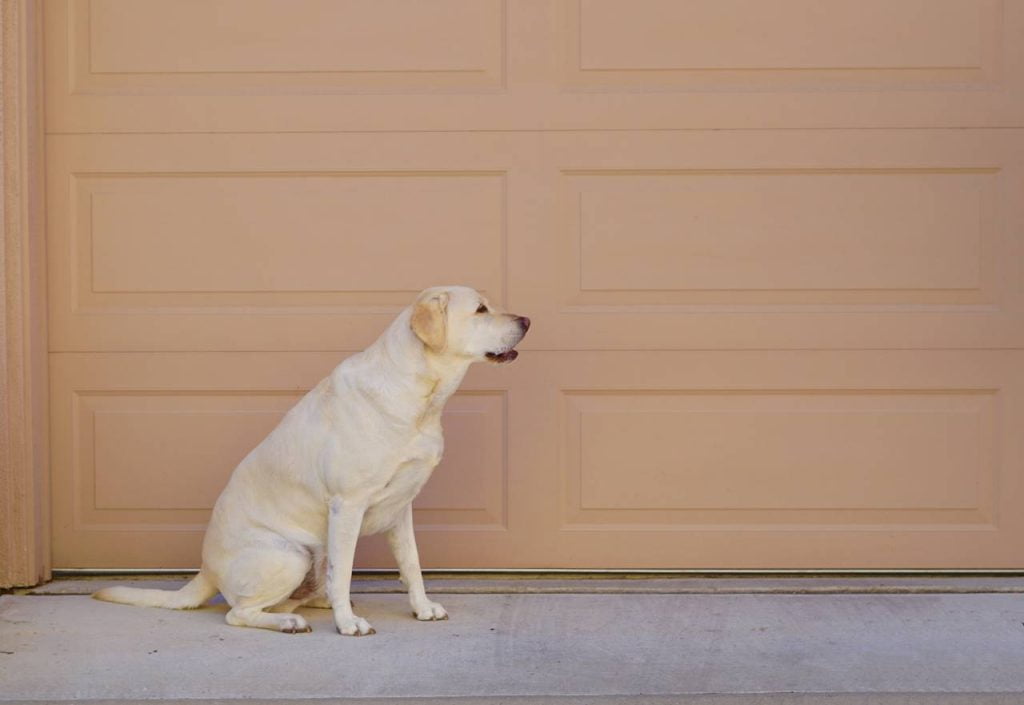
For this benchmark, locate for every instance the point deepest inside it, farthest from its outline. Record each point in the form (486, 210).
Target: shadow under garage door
(773, 255)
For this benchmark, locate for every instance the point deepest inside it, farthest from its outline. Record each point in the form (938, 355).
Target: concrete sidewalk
(716, 642)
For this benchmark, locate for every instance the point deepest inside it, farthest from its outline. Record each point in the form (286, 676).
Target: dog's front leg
(344, 522)
(403, 545)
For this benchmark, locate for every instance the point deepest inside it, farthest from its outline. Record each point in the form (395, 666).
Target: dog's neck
(413, 372)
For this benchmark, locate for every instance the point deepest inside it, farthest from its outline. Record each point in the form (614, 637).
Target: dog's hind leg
(286, 607)
(257, 617)
(261, 578)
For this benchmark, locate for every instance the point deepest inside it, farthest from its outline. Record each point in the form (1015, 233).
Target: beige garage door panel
(288, 238)
(782, 240)
(351, 39)
(724, 35)
(606, 460)
(784, 459)
(116, 65)
(144, 443)
(800, 239)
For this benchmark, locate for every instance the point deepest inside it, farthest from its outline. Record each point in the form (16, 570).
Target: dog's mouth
(507, 356)
(511, 354)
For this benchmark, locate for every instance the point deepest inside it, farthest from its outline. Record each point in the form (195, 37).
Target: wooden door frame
(24, 440)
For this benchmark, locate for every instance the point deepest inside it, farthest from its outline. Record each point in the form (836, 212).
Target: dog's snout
(523, 322)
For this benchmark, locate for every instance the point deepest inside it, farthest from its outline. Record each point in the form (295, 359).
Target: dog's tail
(193, 594)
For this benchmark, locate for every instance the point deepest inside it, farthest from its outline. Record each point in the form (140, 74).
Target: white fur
(346, 461)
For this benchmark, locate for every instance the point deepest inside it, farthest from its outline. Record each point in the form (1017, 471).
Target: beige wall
(772, 254)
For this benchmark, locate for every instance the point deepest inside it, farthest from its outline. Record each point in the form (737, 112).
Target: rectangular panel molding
(880, 236)
(787, 44)
(803, 34)
(160, 460)
(763, 457)
(295, 238)
(314, 45)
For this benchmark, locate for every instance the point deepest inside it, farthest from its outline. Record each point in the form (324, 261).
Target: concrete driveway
(683, 640)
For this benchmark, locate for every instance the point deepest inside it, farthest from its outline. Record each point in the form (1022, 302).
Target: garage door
(773, 252)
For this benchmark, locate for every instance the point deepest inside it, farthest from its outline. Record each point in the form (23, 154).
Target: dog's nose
(524, 322)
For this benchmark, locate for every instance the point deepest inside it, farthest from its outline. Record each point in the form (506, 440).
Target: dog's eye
(482, 308)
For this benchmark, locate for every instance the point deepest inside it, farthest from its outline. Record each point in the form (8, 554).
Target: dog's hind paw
(295, 624)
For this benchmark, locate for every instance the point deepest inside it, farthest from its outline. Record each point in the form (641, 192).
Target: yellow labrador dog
(347, 460)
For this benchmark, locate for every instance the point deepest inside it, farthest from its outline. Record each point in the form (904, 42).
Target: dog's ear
(430, 321)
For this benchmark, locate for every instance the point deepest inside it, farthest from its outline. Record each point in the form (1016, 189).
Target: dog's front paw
(354, 626)
(430, 612)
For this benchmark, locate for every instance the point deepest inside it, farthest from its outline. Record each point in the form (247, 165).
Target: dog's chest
(403, 480)
(409, 476)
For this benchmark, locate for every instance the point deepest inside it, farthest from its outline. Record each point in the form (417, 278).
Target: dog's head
(459, 321)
